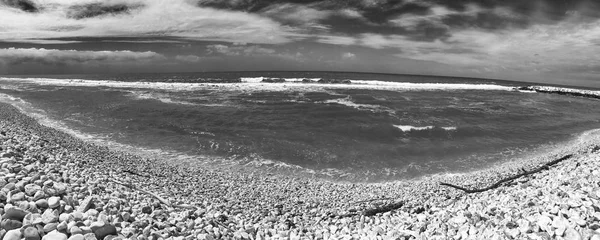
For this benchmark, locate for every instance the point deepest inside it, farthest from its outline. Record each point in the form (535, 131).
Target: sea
(331, 125)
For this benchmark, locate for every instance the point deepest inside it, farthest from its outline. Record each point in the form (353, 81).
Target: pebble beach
(55, 186)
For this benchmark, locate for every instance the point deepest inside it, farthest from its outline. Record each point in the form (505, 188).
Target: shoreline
(243, 203)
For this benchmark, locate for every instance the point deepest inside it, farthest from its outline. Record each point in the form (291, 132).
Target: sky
(544, 41)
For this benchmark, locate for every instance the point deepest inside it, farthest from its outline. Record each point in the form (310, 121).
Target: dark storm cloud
(24, 5)
(99, 9)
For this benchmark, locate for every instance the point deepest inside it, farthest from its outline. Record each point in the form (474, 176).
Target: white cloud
(238, 50)
(54, 56)
(176, 18)
(188, 58)
(348, 56)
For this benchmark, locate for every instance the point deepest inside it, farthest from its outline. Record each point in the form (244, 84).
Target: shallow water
(369, 130)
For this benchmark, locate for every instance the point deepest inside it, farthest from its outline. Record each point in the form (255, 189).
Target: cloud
(348, 56)
(15, 56)
(131, 18)
(188, 58)
(239, 50)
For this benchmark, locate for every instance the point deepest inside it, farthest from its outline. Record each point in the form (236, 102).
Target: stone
(53, 202)
(9, 224)
(55, 235)
(60, 188)
(20, 196)
(75, 230)
(77, 215)
(14, 213)
(50, 216)
(105, 230)
(62, 226)
(14, 234)
(458, 220)
(31, 189)
(85, 204)
(561, 225)
(90, 236)
(42, 203)
(572, 234)
(595, 237)
(50, 227)
(32, 219)
(147, 209)
(39, 195)
(76, 237)
(31, 233)
(96, 225)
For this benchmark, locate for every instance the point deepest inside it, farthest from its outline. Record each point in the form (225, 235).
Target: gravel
(55, 186)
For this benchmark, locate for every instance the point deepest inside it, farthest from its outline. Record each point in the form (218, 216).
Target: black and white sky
(553, 41)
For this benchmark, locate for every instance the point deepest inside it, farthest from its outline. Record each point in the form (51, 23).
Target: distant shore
(192, 201)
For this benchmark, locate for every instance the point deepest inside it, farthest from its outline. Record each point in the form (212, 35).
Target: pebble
(31, 233)
(55, 235)
(14, 234)
(53, 202)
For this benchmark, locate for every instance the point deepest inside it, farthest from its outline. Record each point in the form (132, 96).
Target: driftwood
(508, 179)
(154, 195)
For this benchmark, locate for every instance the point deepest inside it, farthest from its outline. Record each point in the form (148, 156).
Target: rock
(55, 235)
(62, 226)
(75, 230)
(77, 215)
(147, 209)
(32, 219)
(76, 237)
(90, 236)
(20, 196)
(85, 204)
(96, 225)
(595, 237)
(561, 225)
(571, 234)
(458, 220)
(39, 195)
(9, 224)
(50, 216)
(60, 188)
(41, 203)
(14, 213)
(53, 202)
(14, 234)
(31, 189)
(105, 230)
(31, 233)
(50, 227)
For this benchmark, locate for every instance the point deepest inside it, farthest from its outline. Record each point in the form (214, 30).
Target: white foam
(348, 102)
(157, 96)
(407, 128)
(256, 84)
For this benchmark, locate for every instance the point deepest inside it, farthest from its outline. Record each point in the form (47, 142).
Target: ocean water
(376, 128)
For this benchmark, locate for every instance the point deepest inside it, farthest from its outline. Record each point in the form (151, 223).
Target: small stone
(147, 209)
(75, 230)
(90, 236)
(85, 204)
(96, 225)
(9, 224)
(14, 213)
(77, 215)
(76, 237)
(572, 234)
(41, 203)
(561, 225)
(50, 227)
(14, 234)
(53, 202)
(55, 235)
(31, 233)
(105, 230)
(20, 196)
(39, 195)
(458, 220)
(32, 219)
(50, 216)
(60, 188)
(31, 189)
(62, 226)
(595, 237)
